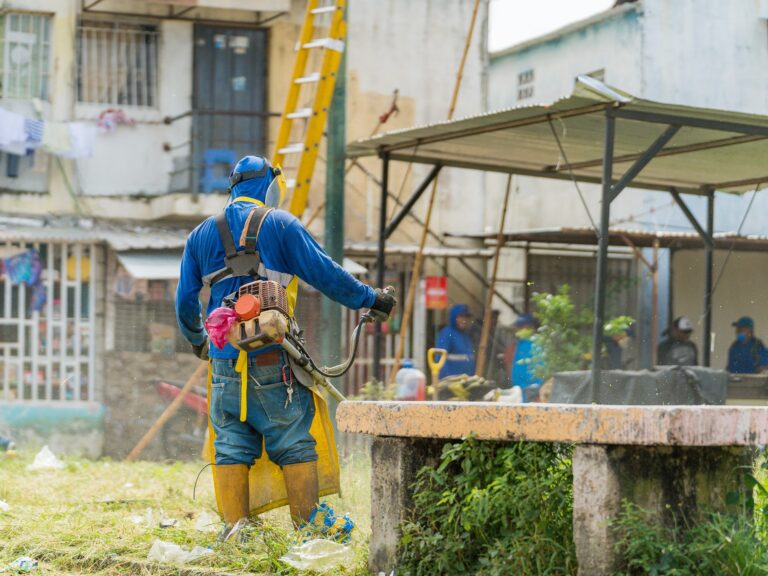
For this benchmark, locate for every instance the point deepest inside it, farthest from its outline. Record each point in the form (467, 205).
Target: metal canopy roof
(712, 150)
(618, 237)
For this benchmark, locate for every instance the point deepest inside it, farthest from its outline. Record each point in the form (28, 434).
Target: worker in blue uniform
(278, 418)
(456, 339)
(748, 354)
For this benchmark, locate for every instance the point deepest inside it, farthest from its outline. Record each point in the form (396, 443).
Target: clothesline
(21, 136)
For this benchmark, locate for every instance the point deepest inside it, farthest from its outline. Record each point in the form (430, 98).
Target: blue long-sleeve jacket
(286, 250)
(461, 349)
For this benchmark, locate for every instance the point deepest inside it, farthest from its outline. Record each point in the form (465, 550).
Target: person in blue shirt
(747, 355)
(278, 414)
(522, 365)
(457, 340)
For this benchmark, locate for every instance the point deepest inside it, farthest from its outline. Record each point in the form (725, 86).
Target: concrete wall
(741, 292)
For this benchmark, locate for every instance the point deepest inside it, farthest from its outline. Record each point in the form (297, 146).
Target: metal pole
(334, 211)
(602, 254)
(381, 264)
(709, 253)
(655, 303)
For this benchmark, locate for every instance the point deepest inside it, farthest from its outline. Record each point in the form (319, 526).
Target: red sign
(436, 292)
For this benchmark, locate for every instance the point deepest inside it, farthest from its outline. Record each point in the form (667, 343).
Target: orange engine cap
(247, 307)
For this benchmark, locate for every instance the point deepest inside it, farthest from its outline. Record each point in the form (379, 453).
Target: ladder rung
(329, 43)
(301, 113)
(292, 148)
(314, 77)
(324, 9)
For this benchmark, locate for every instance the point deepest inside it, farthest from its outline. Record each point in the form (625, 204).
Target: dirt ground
(102, 518)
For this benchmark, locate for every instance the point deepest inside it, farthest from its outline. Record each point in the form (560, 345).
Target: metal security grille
(25, 60)
(48, 328)
(134, 323)
(117, 63)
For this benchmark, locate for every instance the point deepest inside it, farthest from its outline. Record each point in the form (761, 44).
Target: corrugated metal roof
(619, 236)
(120, 239)
(520, 140)
(371, 249)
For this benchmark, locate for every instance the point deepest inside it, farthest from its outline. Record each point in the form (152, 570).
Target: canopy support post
(709, 255)
(602, 253)
(381, 265)
(709, 251)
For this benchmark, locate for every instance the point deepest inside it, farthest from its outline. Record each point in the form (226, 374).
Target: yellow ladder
(309, 97)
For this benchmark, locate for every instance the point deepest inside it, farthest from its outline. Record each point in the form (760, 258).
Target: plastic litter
(21, 565)
(218, 324)
(46, 460)
(324, 522)
(319, 555)
(4, 506)
(162, 551)
(166, 522)
(207, 522)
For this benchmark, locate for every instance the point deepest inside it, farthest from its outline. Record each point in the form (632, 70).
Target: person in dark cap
(747, 355)
(677, 349)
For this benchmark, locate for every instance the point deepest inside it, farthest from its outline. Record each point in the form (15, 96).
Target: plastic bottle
(411, 382)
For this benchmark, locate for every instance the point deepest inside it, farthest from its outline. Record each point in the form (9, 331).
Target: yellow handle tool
(435, 365)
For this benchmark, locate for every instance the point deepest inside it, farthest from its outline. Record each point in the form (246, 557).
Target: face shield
(276, 192)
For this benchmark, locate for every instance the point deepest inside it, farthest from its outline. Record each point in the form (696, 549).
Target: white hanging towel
(82, 136)
(11, 128)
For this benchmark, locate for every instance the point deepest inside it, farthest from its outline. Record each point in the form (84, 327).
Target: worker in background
(279, 414)
(677, 349)
(457, 340)
(523, 367)
(747, 355)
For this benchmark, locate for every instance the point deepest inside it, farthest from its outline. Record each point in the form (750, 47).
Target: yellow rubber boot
(302, 488)
(232, 481)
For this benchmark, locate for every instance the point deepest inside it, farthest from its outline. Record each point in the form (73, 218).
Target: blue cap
(406, 364)
(525, 320)
(744, 322)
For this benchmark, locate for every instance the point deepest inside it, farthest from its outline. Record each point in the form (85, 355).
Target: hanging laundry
(82, 137)
(39, 295)
(11, 128)
(24, 268)
(34, 132)
(110, 119)
(56, 138)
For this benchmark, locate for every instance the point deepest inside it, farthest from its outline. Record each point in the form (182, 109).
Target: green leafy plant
(714, 544)
(563, 341)
(492, 509)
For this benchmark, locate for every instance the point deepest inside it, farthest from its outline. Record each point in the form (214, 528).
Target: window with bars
(117, 63)
(25, 55)
(525, 84)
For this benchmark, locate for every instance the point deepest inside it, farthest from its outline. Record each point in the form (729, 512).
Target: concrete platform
(669, 460)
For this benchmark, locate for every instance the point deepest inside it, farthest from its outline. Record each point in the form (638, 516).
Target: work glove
(201, 351)
(383, 305)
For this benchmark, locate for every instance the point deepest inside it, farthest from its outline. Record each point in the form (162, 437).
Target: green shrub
(716, 545)
(491, 509)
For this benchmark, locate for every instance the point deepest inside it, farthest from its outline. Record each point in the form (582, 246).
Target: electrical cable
(733, 243)
(572, 175)
(348, 364)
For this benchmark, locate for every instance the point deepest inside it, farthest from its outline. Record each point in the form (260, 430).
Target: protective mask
(741, 337)
(276, 191)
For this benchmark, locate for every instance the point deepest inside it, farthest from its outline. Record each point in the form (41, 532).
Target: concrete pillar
(673, 483)
(395, 462)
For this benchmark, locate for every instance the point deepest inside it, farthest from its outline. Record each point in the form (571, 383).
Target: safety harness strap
(246, 262)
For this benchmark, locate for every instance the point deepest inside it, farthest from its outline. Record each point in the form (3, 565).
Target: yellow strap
(242, 367)
(246, 199)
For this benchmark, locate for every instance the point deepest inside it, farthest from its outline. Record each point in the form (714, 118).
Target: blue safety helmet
(252, 177)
